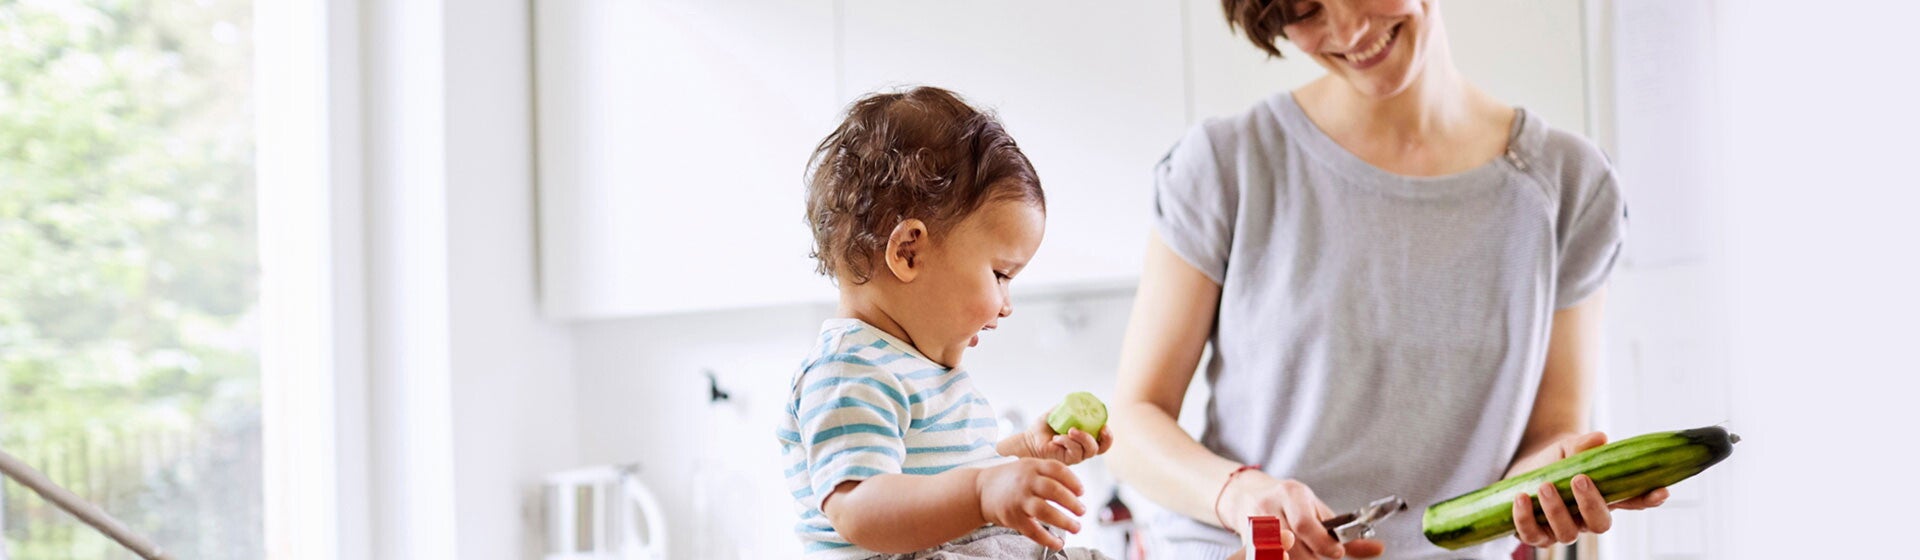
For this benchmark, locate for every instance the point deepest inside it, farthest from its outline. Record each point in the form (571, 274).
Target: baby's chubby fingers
(1085, 447)
(1053, 516)
(1061, 449)
(1106, 439)
(1053, 491)
(1033, 530)
(1057, 471)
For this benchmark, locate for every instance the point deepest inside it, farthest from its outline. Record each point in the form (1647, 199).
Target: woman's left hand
(1593, 515)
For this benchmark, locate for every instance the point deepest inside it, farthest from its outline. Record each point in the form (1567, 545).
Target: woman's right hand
(1020, 496)
(1300, 511)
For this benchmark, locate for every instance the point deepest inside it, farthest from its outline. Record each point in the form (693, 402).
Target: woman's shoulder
(1572, 167)
(1257, 129)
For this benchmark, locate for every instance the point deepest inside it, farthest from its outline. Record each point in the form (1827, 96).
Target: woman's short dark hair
(1262, 21)
(920, 154)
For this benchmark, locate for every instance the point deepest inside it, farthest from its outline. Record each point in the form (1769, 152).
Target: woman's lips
(1375, 52)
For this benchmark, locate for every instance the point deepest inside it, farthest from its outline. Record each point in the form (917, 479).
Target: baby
(923, 210)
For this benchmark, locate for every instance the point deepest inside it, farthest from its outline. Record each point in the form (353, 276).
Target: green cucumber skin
(1621, 469)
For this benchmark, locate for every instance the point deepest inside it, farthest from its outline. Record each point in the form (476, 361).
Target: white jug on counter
(602, 513)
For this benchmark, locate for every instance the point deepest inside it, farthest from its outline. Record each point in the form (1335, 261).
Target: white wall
(471, 392)
(1822, 272)
(1771, 284)
(513, 398)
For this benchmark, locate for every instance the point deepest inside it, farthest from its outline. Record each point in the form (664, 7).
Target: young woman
(1401, 281)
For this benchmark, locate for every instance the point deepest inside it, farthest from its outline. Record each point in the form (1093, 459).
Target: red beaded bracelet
(1223, 494)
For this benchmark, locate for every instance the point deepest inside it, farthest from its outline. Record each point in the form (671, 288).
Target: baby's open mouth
(976, 336)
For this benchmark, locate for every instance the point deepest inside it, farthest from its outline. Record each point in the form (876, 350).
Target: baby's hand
(1020, 496)
(1040, 442)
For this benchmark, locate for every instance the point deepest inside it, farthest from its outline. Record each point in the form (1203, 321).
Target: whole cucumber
(1621, 470)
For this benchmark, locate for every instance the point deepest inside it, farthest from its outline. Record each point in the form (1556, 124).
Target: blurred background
(492, 279)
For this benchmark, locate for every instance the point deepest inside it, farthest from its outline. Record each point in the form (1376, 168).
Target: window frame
(313, 355)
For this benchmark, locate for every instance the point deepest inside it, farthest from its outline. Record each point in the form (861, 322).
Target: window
(129, 273)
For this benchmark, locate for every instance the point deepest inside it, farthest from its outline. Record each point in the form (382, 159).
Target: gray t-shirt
(1378, 334)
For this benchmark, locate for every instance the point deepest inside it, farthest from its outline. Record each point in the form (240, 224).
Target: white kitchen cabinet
(673, 134)
(1092, 90)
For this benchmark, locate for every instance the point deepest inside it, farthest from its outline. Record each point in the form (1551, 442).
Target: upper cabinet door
(672, 138)
(1093, 91)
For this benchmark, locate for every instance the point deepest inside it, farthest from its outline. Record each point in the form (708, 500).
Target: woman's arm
(1565, 400)
(1173, 313)
(1557, 430)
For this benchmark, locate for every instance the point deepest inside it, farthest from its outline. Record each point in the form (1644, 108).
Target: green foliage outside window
(128, 272)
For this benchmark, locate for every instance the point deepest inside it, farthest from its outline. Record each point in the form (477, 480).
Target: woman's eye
(1303, 11)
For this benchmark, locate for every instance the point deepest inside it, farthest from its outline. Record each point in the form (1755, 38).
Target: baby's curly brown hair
(919, 154)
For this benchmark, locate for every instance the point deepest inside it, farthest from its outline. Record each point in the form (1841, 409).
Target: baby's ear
(905, 248)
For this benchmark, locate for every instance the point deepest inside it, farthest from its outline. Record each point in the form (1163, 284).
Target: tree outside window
(129, 273)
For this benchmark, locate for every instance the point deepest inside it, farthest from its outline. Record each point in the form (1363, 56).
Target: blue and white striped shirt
(865, 404)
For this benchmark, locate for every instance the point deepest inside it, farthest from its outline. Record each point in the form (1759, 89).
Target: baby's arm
(897, 513)
(852, 418)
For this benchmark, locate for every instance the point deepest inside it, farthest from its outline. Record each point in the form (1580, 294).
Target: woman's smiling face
(1378, 46)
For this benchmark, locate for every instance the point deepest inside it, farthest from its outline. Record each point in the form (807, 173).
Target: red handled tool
(1264, 537)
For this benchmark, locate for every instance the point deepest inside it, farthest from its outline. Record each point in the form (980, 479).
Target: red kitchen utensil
(1264, 539)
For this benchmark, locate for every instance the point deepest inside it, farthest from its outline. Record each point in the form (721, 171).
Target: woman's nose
(1346, 28)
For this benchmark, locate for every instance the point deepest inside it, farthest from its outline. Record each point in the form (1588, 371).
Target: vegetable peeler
(1359, 525)
(1262, 538)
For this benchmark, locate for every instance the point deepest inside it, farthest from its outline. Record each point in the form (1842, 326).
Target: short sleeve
(852, 421)
(1193, 206)
(1590, 242)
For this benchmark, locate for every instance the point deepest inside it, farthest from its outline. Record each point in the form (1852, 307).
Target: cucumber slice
(1080, 410)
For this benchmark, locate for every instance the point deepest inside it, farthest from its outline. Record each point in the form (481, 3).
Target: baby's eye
(1001, 276)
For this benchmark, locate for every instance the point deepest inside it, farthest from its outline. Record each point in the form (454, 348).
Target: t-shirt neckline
(877, 332)
(1331, 154)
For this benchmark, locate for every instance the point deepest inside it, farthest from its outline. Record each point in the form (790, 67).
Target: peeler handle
(1263, 538)
(1333, 523)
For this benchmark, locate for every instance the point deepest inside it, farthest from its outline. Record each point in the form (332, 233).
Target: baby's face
(964, 289)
